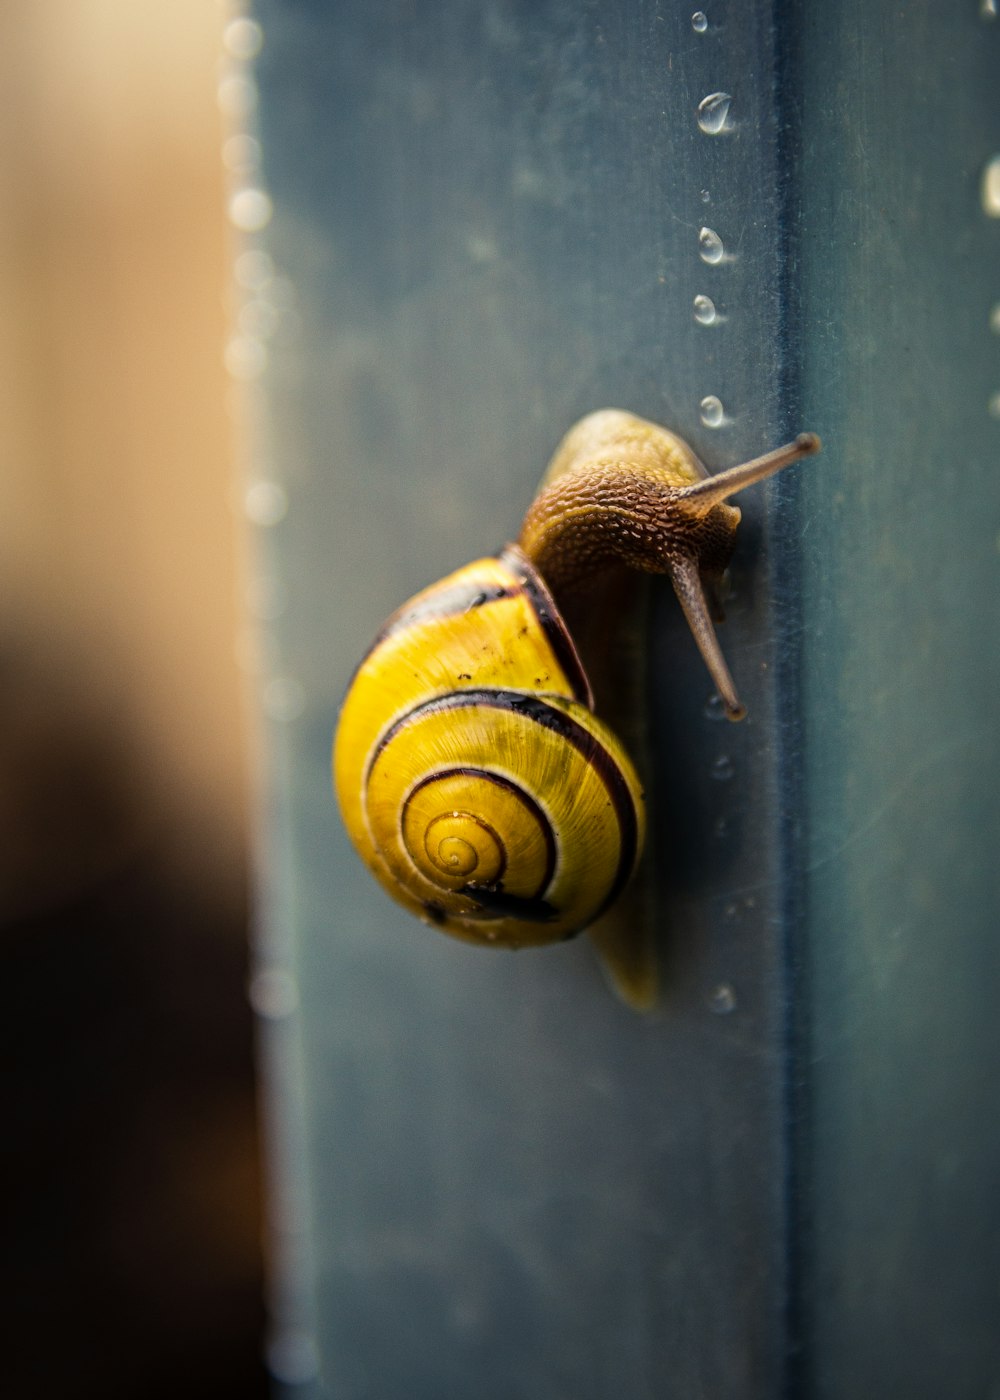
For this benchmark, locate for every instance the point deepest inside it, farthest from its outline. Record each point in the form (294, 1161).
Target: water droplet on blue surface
(237, 96)
(712, 413)
(704, 311)
(250, 209)
(273, 993)
(722, 768)
(293, 1357)
(713, 113)
(722, 999)
(481, 248)
(241, 153)
(284, 698)
(242, 37)
(245, 357)
(699, 21)
(989, 188)
(265, 503)
(710, 246)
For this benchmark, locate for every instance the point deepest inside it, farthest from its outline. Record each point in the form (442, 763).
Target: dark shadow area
(131, 1180)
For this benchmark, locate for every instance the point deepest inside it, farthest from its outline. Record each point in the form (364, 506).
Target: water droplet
(481, 248)
(527, 182)
(284, 698)
(250, 209)
(265, 503)
(704, 311)
(241, 153)
(722, 999)
(242, 38)
(245, 357)
(253, 269)
(988, 9)
(722, 768)
(706, 198)
(989, 188)
(995, 319)
(713, 113)
(699, 21)
(282, 292)
(714, 708)
(994, 405)
(713, 415)
(272, 993)
(258, 319)
(293, 1357)
(710, 246)
(237, 96)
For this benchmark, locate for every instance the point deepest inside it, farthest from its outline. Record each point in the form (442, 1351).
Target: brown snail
(473, 776)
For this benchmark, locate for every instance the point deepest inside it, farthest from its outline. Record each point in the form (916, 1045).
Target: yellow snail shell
(472, 774)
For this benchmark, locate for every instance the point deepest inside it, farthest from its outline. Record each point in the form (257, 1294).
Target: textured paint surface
(901, 670)
(509, 1184)
(488, 220)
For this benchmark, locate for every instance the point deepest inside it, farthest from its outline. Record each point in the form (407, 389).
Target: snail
(473, 776)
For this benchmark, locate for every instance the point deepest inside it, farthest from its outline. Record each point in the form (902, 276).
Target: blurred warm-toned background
(132, 1183)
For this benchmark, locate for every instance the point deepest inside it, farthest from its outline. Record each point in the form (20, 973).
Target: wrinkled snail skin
(473, 776)
(623, 491)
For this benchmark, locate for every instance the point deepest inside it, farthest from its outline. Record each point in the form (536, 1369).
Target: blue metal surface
(496, 1180)
(900, 271)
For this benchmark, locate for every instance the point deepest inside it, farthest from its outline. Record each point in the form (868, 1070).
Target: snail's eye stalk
(713, 489)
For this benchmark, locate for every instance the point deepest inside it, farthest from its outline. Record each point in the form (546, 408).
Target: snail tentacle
(690, 591)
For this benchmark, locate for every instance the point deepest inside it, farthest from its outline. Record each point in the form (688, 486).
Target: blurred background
(132, 1193)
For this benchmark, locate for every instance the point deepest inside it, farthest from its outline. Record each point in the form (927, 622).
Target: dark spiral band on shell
(515, 789)
(551, 622)
(467, 597)
(540, 712)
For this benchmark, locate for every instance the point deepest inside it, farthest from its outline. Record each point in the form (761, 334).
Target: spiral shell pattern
(473, 777)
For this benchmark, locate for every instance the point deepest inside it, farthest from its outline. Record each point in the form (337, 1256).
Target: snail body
(473, 776)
